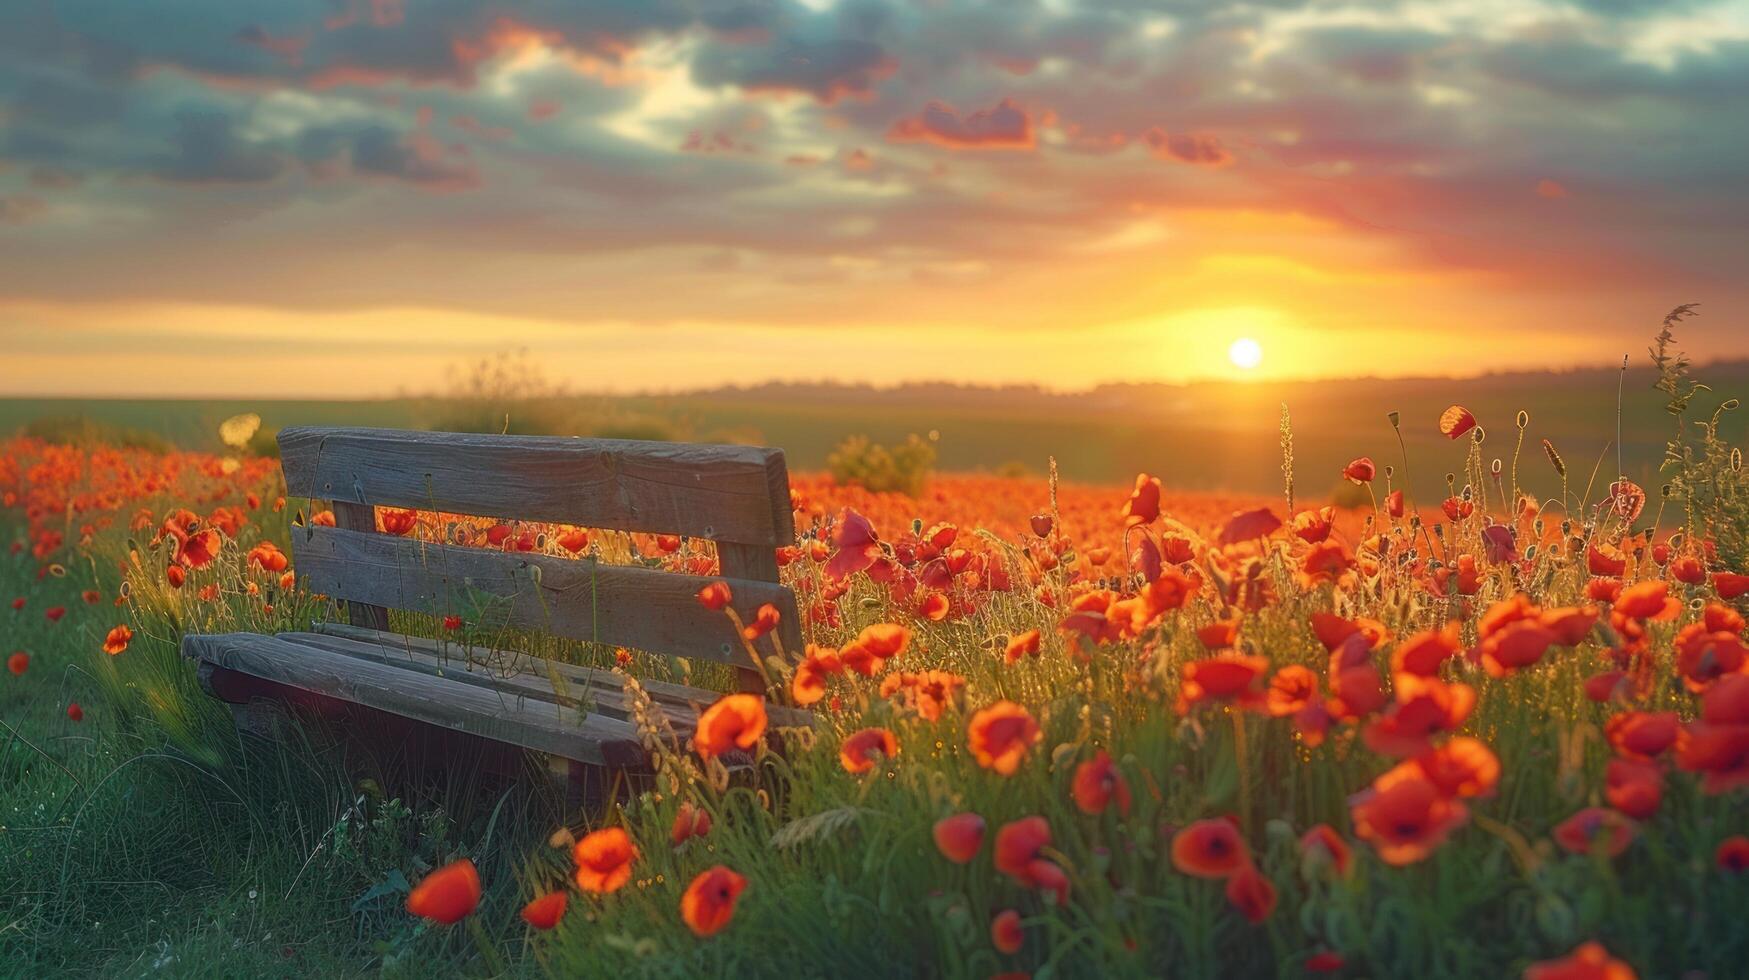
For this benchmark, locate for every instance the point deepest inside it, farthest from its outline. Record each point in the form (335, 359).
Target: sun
(1245, 353)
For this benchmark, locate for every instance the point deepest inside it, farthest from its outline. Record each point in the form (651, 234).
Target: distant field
(1212, 436)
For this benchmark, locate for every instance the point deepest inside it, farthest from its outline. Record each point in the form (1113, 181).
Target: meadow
(1064, 729)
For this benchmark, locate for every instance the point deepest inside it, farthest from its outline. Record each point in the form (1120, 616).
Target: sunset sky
(341, 197)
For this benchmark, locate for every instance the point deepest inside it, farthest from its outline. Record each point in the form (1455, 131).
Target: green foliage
(1705, 472)
(904, 468)
(86, 432)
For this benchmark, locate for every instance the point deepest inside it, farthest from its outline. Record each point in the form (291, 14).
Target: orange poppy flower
(1000, 735)
(1290, 690)
(960, 837)
(545, 911)
(715, 596)
(1097, 783)
(175, 576)
(1313, 526)
(1226, 677)
(117, 641)
(733, 721)
(604, 860)
(1423, 653)
(574, 540)
(864, 748)
(1209, 849)
(873, 647)
(709, 901)
(1424, 707)
(808, 683)
(1005, 932)
(1021, 645)
(1405, 816)
(398, 522)
(1589, 962)
(764, 621)
(1642, 734)
(1252, 893)
(1322, 844)
(1595, 826)
(447, 895)
(1218, 635)
(689, 822)
(1144, 503)
(1461, 766)
(91, 596)
(1018, 844)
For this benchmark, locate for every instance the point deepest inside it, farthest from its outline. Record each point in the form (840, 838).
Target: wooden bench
(735, 496)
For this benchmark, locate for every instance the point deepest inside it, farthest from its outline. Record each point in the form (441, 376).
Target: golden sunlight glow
(1245, 353)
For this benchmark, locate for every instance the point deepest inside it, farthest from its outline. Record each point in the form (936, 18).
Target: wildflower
(1005, 932)
(689, 822)
(1642, 734)
(74, 712)
(862, 749)
(175, 576)
(764, 621)
(576, 540)
(18, 663)
(715, 595)
(545, 911)
(1226, 677)
(1455, 421)
(1635, 788)
(1323, 845)
(604, 860)
(452, 623)
(1021, 645)
(709, 901)
(91, 596)
(1460, 767)
(732, 721)
(1733, 854)
(960, 837)
(1000, 734)
(808, 683)
(1291, 689)
(1248, 526)
(1730, 585)
(1589, 962)
(117, 641)
(1597, 827)
(857, 545)
(1144, 503)
(1252, 893)
(398, 522)
(1360, 470)
(54, 613)
(1209, 849)
(1405, 816)
(1097, 783)
(447, 895)
(1422, 653)
(873, 647)
(1424, 707)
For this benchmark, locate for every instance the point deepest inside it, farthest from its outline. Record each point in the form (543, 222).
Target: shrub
(903, 469)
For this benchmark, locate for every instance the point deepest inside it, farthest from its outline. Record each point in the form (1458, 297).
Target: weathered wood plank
(681, 702)
(724, 493)
(447, 703)
(350, 516)
(642, 608)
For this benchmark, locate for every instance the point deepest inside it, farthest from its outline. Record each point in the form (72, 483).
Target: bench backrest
(736, 496)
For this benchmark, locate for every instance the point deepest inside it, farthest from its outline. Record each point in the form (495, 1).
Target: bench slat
(448, 703)
(724, 493)
(682, 703)
(641, 608)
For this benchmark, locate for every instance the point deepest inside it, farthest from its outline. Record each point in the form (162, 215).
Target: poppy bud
(1523, 419)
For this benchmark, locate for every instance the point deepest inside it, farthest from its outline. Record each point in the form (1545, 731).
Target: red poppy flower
(733, 721)
(1313, 526)
(91, 596)
(1394, 503)
(54, 613)
(1018, 844)
(1252, 893)
(1733, 854)
(1422, 653)
(447, 895)
(1325, 961)
(1097, 783)
(1642, 734)
(1209, 849)
(117, 641)
(574, 540)
(1597, 827)
(545, 911)
(1455, 421)
(1405, 816)
(1144, 503)
(1005, 932)
(715, 595)
(689, 822)
(1602, 687)
(862, 749)
(1221, 678)
(18, 663)
(961, 836)
(398, 522)
(1605, 561)
(175, 576)
(604, 860)
(1322, 844)
(874, 646)
(1360, 470)
(1635, 788)
(709, 901)
(1589, 962)
(764, 621)
(1000, 735)
(1248, 525)
(1730, 585)
(1461, 766)
(1424, 707)
(1290, 690)
(74, 712)
(857, 545)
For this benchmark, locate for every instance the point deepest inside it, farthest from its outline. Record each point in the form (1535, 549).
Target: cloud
(1004, 127)
(828, 70)
(1199, 149)
(207, 149)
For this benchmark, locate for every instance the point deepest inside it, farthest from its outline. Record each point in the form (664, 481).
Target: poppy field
(1059, 730)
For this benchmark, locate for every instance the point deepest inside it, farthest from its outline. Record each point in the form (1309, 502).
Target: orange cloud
(1007, 126)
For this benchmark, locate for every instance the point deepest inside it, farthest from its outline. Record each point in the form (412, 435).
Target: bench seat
(495, 694)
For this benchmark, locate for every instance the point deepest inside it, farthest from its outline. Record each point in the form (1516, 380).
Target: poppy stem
(1239, 758)
(484, 943)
